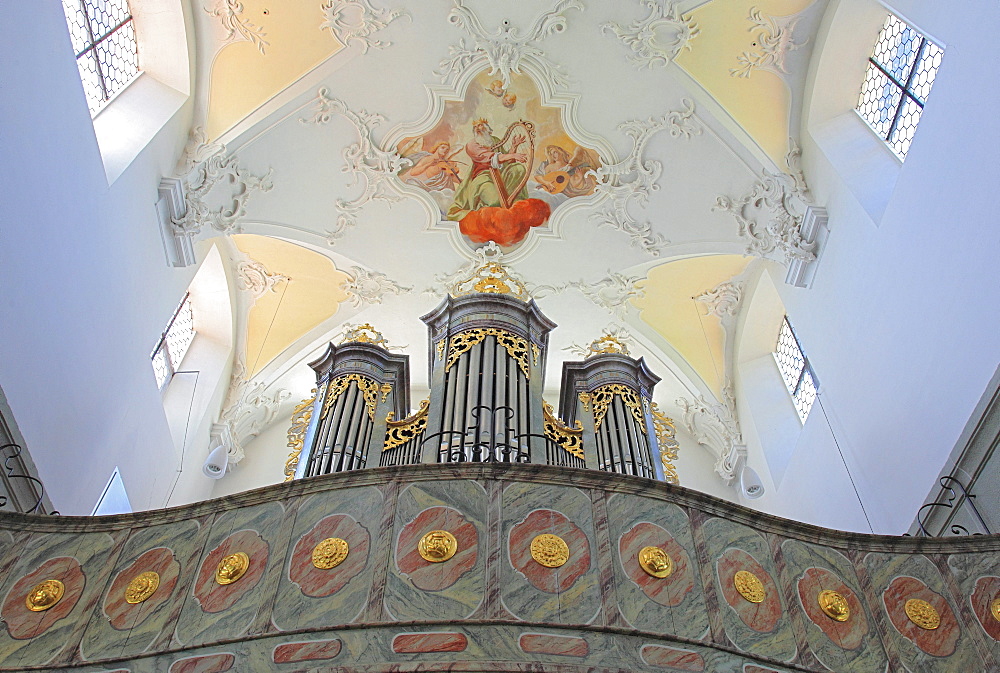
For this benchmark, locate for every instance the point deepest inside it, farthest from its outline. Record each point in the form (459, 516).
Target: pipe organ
(487, 346)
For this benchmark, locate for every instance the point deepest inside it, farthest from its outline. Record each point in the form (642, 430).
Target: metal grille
(174, 342)
(106, 51)
(901, 71)
(795, 370)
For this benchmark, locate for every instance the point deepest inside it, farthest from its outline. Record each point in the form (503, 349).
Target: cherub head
(509, 100)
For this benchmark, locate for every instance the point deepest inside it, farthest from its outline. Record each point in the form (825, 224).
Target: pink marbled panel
(549, 580)
(212, 663)
(214, 597)
(314, 650)
(940, 642)
(761, 617)
(123, 615)
(416, 643)
(849, 634)
(316, 582)
(987, 588)
(437, 576)
(565, 646)
(669, 657)
(670, 590)
(21, 622)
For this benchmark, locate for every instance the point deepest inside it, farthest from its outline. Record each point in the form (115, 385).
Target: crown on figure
(481, 120)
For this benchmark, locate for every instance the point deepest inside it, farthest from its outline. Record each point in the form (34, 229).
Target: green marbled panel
(403, 599)
(195, 626)
(883, 568)
(95, 553)
(721, 535)
(967, 569)
(870, 655)
(581, 603)
(10, 546)
(689, 619)
(295, 610)
(185, 539)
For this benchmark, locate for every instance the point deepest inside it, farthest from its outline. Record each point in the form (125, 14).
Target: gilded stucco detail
(602, 397)
(400, 432)
(370, 388)
(516, 346)
(569, 439)
(666, 439)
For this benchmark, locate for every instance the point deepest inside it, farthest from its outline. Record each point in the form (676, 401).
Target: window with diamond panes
(174, 343)
(104, 42)
(901, 71)
(795, 370)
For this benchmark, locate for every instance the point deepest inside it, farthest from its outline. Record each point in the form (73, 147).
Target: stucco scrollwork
(715, 425)
(249, 409)
(773, 39)
(229, 12)
(611, 293)
(369, 287)
(770, 215)
(632, 179)
(253, 277)
(364, 159)
(213, 168)
(660, 37)
(722, 300)
(507, 46)
(356, 21)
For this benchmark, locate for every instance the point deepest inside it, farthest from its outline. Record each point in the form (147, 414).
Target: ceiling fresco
(621, 160)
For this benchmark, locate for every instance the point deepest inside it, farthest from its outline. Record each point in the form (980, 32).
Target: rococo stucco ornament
(230, 12)
(249, 409)
(369, 287)
(770, 215)
(612, 292)
(723, 300)
(634, 177)
(715, 425)
(658, 38)
(506, 46)
(773, 39)
(254, 278)
(364, 159)
(353, 21)
(213, 168)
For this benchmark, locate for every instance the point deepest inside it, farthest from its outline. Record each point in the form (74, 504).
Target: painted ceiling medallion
(437, 546)
(749, 586)
(44, 595)
(995, 608)
(232, 568)
(330, 553)
(499, 161)
(922, 613)
(655, 562)
(549, 550)
(142, 587)
(834, 606)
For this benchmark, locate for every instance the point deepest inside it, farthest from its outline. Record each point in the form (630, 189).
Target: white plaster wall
(901, 321)
(87, 289)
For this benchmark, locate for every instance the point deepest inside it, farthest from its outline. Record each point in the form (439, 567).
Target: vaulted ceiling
(314, 116)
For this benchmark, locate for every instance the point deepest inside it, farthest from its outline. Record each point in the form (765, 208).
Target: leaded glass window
(901, 71)
(104, 42)
(795, 370)
(174, 343)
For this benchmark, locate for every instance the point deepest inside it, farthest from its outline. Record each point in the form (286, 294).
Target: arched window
(105, 45)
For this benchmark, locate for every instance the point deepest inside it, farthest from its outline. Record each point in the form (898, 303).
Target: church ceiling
(620, 158)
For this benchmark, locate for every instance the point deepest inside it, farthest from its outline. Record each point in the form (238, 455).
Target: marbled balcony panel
(119, 629)
(568, 594)
(978, 579)
(308, 596)
(453, 589)
(759, 628)
(82, 561)
(852, 646)
(215, 612)
(674, 605)
(899, 578)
